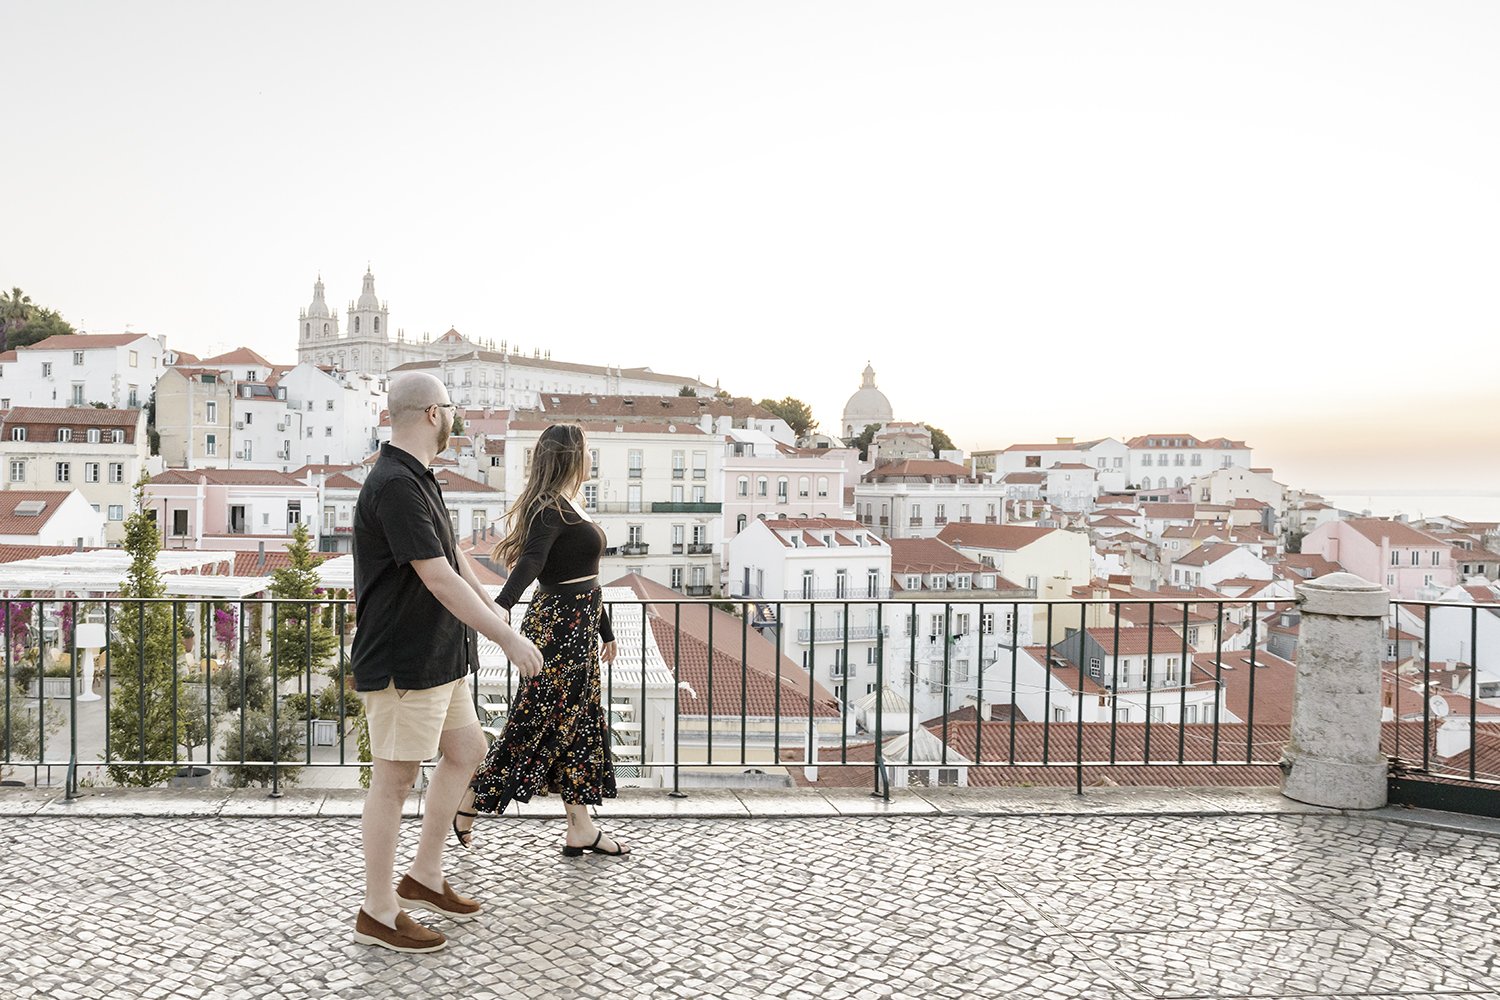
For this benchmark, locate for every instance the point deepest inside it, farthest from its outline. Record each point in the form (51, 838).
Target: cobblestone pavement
(920, 906)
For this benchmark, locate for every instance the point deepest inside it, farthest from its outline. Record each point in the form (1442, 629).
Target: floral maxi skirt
(556, 738)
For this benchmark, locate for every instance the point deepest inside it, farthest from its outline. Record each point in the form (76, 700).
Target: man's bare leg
(390, 781)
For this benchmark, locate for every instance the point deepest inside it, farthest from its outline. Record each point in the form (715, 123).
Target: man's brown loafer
(407, 935)
(414, 894)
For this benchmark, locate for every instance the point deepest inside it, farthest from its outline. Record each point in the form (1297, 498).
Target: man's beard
(443, 433)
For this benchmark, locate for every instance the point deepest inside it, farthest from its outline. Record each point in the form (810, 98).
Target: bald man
(416, 599)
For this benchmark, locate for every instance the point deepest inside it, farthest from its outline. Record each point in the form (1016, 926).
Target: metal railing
(275, 693)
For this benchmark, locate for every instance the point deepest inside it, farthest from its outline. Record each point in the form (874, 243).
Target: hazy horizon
(1272, 223)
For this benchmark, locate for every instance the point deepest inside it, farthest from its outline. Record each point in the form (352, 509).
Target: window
(1158, 714)
(330, 404)
(636, 470)
(961, 624)
(1171, 670)
(117, 472)
(211, 444)
(679, 467)
(762, 485)
(1437, 558)
(700, 534)
(781, 489)
(591, 496)
(807, 583)
(78, 357)
(987, 623)
(633, 499)
(64, 472)
(116, 512)
(744, 486)
(17, 471)
(91, 472)
(822, 486)
(134, 399)
(700, 465)
(960, 671)
(211, 412)
(1395, 558)
(134, 360)
(93, 435)
(676, 577)
(46, 369)
(1059, 715)
(841, 584)
(700, 494)
(77, 393)
(328, 431)
(872, 583)
(593, 463)
(803, 483)
(1095, 667)
(1416, 557)
(65, 434)
(18, 434)
(739, 523)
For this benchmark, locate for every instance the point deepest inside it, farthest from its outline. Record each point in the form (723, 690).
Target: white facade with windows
(921, 510)
(340, 415)
(775, 486)
(98, 452)
(118, 370)
(656, 490)
(49, 517)
(1172, 461)
(1110, 459)
(789, 565)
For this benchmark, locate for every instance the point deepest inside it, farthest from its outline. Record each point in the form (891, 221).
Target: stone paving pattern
(988, 897)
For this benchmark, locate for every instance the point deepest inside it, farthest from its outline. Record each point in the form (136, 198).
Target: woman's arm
(540, 534)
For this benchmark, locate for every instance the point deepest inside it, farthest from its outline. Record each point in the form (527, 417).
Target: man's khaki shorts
(408, 724)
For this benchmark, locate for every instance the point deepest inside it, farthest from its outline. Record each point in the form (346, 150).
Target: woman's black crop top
(558, 547)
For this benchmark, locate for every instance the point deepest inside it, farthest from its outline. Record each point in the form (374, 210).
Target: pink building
(1390, 553)
(231, 509)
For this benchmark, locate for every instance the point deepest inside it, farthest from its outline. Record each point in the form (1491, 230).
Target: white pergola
(186, 572)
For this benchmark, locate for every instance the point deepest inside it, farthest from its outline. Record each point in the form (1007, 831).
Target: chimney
(1452, 737)
(260, 555)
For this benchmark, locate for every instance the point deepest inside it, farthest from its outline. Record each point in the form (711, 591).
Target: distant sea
(1473, 505)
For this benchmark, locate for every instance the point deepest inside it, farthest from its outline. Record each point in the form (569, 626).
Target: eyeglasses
(434, 406)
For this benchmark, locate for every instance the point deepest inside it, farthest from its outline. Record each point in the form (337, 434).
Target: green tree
(863, 442)
(724, 395)
(940, 440)
(143, 662)
(458, 423)
(298, 581)
(796, 413)
(687, 390)
(261, 744)
(23, 322)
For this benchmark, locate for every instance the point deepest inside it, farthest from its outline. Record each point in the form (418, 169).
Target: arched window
(356, 324)
(1179, 481)
(781, 488)
(354, 357)
(744, 486)
(325, 329)
(802, 484)
(306, 329)
(377, 324)
(761, 485)
(822, 486)
(739, 524)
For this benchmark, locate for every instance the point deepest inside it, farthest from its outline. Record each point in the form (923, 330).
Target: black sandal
(463, 836)
(575, 852)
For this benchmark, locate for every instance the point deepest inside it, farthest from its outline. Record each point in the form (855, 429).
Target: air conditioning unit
(239, 425)
(239, 454)
(280, 427)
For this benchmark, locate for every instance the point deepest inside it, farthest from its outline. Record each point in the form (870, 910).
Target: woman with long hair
(556, 738)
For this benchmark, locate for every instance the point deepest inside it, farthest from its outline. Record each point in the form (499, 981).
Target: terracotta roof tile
(1005, 537)
(12, 523)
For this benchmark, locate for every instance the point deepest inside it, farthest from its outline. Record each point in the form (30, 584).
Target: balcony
(677, 473)
(939, 521)
(856, 633)
(677, 548)
(679, 507)
(634, 549)
(698, 590)
(700, 549)
(915, 522)
(834, 594)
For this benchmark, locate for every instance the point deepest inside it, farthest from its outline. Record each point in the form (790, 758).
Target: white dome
(367, 300)
(868, 405)
(319, 308)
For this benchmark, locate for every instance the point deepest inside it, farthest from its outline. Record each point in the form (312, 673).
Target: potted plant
(193, 732)
(59, 679)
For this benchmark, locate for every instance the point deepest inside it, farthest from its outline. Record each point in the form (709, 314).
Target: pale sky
(1272, 221)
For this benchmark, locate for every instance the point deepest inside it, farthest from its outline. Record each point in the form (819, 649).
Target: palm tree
(16, 311)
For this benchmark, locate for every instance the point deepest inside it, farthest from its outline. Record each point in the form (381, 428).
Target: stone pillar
(1334, 758)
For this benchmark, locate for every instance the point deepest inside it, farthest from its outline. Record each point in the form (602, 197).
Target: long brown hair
(559, 462)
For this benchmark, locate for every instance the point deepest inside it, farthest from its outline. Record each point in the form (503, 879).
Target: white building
(1119, 674)
(1106, 456)
(1170, 461)
(944, 646)
(1225, 486)
(119, 370)
(230, 509)
(790, 565)
(97, 452)
(49, 517)
(1211, 564)
(1072, 487)
(655, 489)
(340, 414)
(915, 499)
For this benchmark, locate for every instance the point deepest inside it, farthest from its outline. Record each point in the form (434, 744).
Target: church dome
(367, 300)
(868, 405)
(319, 308)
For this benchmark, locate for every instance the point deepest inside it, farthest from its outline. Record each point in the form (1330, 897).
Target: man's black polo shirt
(403, 633)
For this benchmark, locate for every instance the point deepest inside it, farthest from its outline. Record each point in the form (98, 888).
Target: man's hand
(610, 650)
(521, 652)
